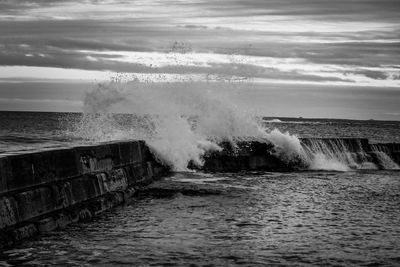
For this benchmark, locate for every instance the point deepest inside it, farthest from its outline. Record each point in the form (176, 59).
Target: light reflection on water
(320, 218)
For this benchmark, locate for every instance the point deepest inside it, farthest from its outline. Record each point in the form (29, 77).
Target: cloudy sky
(310, 58)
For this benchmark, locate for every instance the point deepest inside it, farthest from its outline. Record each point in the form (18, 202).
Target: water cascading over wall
(338, 154)
(46, 190)
(348, 153)
(387, 154)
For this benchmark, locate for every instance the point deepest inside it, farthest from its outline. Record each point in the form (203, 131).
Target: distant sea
(27, 131)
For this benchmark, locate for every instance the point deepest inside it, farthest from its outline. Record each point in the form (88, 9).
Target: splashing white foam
(274, 120)
(287, 146)
(179, 121)
(321, 161)
(182, 121)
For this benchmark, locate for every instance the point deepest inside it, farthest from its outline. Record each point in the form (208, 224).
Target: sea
(29, 131)
(323, 216)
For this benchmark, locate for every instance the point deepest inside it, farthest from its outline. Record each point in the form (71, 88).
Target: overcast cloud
(331, 43)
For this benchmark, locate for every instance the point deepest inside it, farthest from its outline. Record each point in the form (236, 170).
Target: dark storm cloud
(32, 34)
(316, 47)
(352, 9)
(103, 62)
(364, 54)
(191, 26)
(16, 7)
(142, 36)
(7, 5)
(377, 75)
(127, 35)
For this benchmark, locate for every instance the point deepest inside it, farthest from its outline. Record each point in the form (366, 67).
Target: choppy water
(300, 218)
(27, 131)
(262, 219)
(375, 131)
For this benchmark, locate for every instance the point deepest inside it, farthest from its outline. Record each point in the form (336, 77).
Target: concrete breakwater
(42, 191)
(253, 155)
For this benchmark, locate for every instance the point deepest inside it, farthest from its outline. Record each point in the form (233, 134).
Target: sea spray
(182, 121)
(344, 154)
(382, 157)
(179, 121)
(287, 147)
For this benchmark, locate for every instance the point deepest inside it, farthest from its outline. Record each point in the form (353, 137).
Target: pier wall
(253, 155)
(42, 191)
(46, 190)
(244, 156)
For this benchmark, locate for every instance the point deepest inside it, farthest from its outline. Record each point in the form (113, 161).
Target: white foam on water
(320, 161)
(385, 161)
(274, 120)
(179, 121)
(287, 146)
(182, 121)
(337, 154)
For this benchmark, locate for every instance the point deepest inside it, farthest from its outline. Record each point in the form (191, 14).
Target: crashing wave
(181, 122)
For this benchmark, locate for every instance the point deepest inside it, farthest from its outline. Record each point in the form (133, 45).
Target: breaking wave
(179, 121)
(183, 121)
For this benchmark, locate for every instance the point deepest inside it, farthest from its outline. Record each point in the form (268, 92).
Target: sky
(309, 58)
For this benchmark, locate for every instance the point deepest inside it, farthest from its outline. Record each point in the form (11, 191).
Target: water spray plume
(183, 120)
(179, 121)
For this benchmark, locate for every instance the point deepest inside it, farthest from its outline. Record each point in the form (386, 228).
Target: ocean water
(310, 217)
(340, 210)
(31, 131)
(375, 131)
(259, 219)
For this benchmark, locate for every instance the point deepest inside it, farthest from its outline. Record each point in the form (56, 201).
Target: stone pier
(42, 191)
(46, 190)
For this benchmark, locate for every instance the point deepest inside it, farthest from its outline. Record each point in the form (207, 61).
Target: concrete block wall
(246, 155)
(253, 155)
(45, 190)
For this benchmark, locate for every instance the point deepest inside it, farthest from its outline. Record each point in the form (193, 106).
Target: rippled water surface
(375, 131)
(305, 218)
(27, 131)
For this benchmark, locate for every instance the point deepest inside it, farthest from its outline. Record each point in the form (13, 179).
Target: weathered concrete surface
(8, 212)
(167, 188)
(42, 191)
(46, 190)
(4, 174)
(243, 156)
